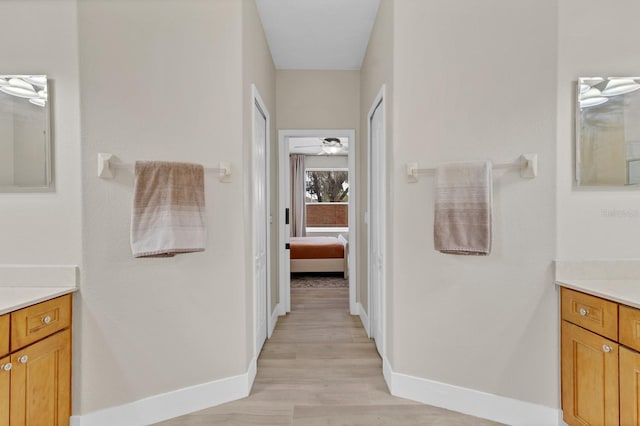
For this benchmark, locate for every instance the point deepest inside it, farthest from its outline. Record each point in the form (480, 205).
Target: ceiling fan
(332, 146)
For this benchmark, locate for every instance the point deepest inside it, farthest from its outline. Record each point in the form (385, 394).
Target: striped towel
(168, 215)
(462, 220)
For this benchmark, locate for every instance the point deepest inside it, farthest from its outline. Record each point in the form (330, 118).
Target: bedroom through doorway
(317, 194)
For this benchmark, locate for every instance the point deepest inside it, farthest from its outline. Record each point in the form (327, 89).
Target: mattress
(316, 248)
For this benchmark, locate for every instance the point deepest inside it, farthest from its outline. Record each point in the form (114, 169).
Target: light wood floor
(319, 368)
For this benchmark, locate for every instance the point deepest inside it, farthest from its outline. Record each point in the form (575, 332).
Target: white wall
(601, 223)
(310, 100)
(258, 69)
(45, 228)
(160, 81)
(377, 69)
(475, 81)
(318, 99)
(326, 161)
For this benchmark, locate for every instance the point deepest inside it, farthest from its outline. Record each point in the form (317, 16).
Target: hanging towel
(168, 215)
(462, 220)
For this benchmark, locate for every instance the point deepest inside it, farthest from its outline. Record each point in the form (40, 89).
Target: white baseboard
(281, 309)
(364, 318)
(274, 319)
(172, 404)
(468, 401)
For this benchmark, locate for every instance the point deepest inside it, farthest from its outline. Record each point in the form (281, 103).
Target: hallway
(319, 368)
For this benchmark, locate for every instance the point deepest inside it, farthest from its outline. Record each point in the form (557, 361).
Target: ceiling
(317, 34)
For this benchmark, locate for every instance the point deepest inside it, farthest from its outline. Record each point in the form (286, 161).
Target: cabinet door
(589, 378)
(4, 391)
(41, 382)
(629, 387)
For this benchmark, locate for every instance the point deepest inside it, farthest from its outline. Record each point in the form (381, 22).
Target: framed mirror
(25, 137)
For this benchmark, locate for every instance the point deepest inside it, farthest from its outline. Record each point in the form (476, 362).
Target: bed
(319, 254)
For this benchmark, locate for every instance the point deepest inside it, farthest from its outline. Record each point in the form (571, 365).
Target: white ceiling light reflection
(591, 98)
(36, 80)
(17, 82)
(38, 101)
(29, 87)
(620, 86)
(18, 91)
(331, 149)
(591, 102)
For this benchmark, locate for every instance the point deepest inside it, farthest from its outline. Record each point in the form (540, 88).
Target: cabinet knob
(607, 348)
(584, 312)
(46, 320)
(6, 367)
(23, 359)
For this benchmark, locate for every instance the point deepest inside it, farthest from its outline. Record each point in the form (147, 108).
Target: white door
(377, 203)
(285, 225)
(260, 219)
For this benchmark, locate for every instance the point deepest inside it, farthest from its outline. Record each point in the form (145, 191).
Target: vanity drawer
(590, 312)
(36, 322)
(4, 334)
(630, 327)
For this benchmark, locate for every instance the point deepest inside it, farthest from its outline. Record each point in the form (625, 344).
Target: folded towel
(168, 215)
(462, 221)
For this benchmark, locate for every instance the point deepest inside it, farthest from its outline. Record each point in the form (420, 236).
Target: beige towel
(168, 215)
(462, 222)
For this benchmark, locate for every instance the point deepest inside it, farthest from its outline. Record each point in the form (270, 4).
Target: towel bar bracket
(527, 164)
(106, 166)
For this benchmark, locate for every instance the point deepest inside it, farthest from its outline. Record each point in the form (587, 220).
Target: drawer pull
(6, 367)
(584, 312)
(23, 359)
(607, 348)
(46, 320)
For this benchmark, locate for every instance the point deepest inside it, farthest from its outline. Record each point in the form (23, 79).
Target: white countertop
(625, 291)
(14, 298)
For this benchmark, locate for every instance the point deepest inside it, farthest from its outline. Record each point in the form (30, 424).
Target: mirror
(25, 142)
(608, 131)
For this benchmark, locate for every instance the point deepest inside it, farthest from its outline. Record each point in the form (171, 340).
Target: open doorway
(319, 208)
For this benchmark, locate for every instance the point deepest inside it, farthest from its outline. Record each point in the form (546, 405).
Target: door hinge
(287, 246)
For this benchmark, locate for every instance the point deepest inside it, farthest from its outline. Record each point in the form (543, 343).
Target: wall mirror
(25, 139)
(608, 131)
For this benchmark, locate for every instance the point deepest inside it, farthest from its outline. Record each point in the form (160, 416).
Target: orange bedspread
(316, 248)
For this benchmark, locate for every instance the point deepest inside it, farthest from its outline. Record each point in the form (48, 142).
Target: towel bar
(106, 167)
(527, 164)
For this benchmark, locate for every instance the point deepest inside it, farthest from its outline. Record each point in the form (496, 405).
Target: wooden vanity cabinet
(589, 378)
(600, 368)
(5, 383)
(35, 379)
(4, 374)
(629, 387)
(4, 335)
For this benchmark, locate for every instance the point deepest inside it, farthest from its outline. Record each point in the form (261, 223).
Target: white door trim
(256, 99)
(373, 315)
(283, 166)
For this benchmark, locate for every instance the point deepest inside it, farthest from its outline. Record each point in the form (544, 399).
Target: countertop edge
(599, 292)
(48, 293)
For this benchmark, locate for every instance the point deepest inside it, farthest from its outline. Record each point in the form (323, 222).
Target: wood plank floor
(319, 368)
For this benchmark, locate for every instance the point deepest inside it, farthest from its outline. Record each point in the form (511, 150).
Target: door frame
(256, 100)
(283, 196)
(372, 314)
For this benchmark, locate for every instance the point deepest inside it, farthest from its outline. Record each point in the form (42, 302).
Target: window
(327, 185)
(327, 198)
